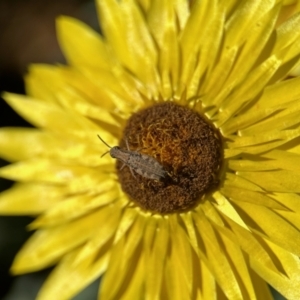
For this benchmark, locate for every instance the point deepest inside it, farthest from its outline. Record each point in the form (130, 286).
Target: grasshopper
(142, 164)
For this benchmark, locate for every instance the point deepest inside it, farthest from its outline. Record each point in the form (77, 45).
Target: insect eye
(113, 151)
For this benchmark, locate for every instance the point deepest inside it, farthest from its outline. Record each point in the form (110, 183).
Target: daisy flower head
(203, 199)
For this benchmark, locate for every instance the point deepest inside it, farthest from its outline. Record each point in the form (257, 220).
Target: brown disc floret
(187, 147)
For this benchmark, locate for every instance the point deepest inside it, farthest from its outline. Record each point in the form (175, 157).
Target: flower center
(174, 159)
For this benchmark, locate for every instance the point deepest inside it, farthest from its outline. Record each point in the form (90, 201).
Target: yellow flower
(200, 89)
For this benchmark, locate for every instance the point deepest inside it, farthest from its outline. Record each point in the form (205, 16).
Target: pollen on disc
(184, 144)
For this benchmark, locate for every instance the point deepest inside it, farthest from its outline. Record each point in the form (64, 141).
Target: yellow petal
(257, 149)
(29, 198)
(209, 51)
(68, 279)
(252, 165)
(117, 89)
(208, 285)
(190, 228)
(274, 181)
(221, 267)
(115, 272)
(288, 285)
(76, 206)
(251, 244)
(245, 120)
(47, 170)
(134, 236)
(244, 16)
(82, 45)
(237, 259)
(183, 12)
(156, 259)
(27, 143)
(210, 210)
(144, 4)
(99, 242)
(48, 115)
(262, 290)
(128, 218)
(175, 281)
(284, 159)
(290, 217)
(88, 180)
(16, 143)
(120, 271)
(266, 222)
(237, 194)
(217, 94)
(264, 137)
(193, 36)
(127, 33)
(240, 183)
(162, 12)
(281, 93)
(280, 122)
(181, 256)
(256, 40)
(288, 2)
(43, 81)
(290, 200)
(248, 89)
(287, 34)
(46, 246)
(214, 86)
(225, 207)
(286, 117)
(72, 100)
(135, 287)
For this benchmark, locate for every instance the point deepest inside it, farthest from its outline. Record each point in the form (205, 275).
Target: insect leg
(129, 169)
(132, 172)
(126, 141)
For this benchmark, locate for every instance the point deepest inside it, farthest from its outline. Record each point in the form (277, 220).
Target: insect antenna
(104, 153)
(105, 144)
(103, 141)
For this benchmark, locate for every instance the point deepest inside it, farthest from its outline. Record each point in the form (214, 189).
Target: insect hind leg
(132, 172)
(129, 169)
(126, 141)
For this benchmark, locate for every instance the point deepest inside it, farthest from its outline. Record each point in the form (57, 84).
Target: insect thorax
(120, 154)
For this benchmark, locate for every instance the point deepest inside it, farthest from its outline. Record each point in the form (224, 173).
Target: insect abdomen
(146, 166)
